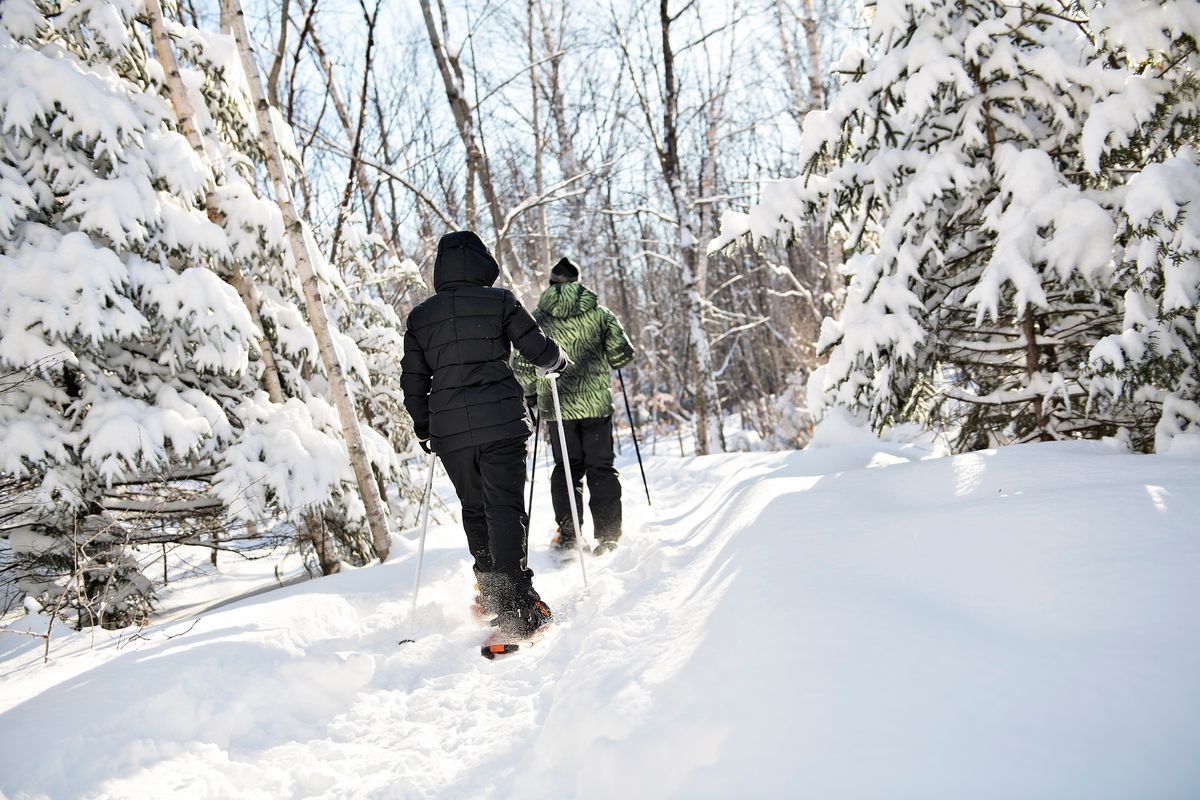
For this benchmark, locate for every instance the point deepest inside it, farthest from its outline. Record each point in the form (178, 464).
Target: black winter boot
(487, 588)
(521, 610)
(521, 623)
(564, 539)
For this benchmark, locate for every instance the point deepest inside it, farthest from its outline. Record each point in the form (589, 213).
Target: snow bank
(840, 427)
(855, 621)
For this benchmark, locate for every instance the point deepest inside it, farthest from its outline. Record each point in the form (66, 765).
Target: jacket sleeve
(416, 380)
(617, 348)
(526, 336)
(526, 374)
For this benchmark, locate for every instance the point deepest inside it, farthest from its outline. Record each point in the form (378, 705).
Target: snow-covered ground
(856, 621)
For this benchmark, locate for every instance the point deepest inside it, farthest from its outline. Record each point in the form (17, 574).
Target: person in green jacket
(572, 316)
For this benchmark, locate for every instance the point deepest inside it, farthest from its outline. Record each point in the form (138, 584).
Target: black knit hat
(564, 272)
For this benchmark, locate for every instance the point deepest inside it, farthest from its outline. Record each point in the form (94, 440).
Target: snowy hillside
(846, 622)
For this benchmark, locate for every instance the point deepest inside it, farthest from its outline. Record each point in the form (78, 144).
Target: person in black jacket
(467, 407)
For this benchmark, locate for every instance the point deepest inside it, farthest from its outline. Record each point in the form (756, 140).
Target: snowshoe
(563, 546)
(516, 627)
(562, 543)
(604, 546)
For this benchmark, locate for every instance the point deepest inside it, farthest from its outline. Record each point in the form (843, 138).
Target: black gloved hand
(563, 361)
(531, 404)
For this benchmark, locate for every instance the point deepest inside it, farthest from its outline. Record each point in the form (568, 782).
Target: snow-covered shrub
(981, 162)
(744, 440)
(104, 584)
(839, 428)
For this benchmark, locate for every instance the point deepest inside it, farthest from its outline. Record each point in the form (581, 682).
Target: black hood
(463, 260)
(564, 272)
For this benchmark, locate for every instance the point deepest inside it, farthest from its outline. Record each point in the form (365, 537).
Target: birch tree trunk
(277, 61)
(315, 529)
(185, 118)
(795, 109)
(816, 93)
(827, 251)
(318, 319)
(831, 251)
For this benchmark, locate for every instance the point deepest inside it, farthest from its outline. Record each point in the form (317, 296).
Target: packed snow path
(848, 622)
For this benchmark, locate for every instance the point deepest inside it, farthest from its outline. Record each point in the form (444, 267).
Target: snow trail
(853, 621)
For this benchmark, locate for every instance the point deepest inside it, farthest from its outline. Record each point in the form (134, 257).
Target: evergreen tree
(954, 162)
(121, 244)
(1141, 140)
(134, 353)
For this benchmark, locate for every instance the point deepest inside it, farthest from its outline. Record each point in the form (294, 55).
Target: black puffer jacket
(458, 386)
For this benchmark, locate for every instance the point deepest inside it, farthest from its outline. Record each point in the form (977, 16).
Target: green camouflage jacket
(590, 334)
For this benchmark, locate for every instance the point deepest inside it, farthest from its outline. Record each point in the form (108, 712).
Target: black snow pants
(590, 450)
(490, 481)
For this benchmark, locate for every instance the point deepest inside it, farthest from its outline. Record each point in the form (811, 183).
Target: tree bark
(318, 318)
(816, 93)
(539, 144)
(355, 136)
(568, 161)
(323, 544)
(826, 251)
(277, 61)
(477, 163)
(357, 165)
(707, 413)
(796, 111)
(1029, 329)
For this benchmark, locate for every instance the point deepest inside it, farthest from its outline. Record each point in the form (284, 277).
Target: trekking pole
(633, 433)
(537, 429)
(562, 443)
(424, 530)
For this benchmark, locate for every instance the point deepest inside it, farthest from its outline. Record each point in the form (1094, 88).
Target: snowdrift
(857, 621)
